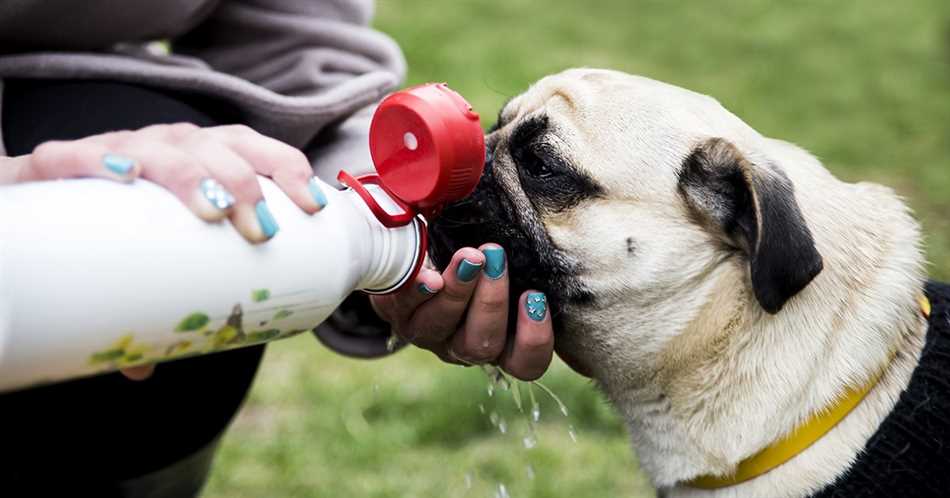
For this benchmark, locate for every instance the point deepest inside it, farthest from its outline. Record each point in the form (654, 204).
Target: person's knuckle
(172, 132)
(297, 171)
(493, 303)
(152, 129)
(47, 152)
(245, 184)
(240, 130)
(295, 157)
(113, 138)
(482, 351)
(56, 158)
(535, 343)
(456, 295)
(44, 155)
(182, 128)
(183, 176)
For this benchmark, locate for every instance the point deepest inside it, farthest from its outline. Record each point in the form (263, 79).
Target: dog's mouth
(489, 215)
(479, 219)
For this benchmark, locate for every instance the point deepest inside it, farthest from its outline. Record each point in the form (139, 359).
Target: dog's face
(618, 196)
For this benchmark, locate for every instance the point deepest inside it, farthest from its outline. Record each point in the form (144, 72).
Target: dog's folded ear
(755, 209)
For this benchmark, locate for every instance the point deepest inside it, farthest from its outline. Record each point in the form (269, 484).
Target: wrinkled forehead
(622, 118)
(593, 94)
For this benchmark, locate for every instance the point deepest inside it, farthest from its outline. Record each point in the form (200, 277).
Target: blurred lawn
(865, 86)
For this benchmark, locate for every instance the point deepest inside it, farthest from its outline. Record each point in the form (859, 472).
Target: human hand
(213, 171)
(461, 315)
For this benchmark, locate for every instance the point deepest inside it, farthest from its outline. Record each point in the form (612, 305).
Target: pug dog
(760, 325)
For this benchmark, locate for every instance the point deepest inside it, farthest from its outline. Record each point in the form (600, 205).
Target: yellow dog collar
(799, 440)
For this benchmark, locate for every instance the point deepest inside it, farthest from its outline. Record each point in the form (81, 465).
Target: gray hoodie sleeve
(293, 47)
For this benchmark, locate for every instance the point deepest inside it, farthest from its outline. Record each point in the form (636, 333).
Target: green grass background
(863, 85)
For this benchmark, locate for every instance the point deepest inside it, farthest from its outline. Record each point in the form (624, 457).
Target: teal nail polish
(266, 219)
(425, 289)
(536, 305)
(494, 262)
(117, 164)
(317, 193)
(467, 270)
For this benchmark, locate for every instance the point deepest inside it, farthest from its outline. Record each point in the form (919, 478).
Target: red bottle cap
(428, 146)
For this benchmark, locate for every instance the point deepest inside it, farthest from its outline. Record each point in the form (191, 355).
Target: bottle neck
(393, 254)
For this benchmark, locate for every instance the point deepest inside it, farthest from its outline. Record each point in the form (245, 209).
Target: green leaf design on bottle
(123, 352)
(133, 357)
(281, 314)
(262, 335)
(260, 295)
(180, 347)
(193, 322)
(106, 356)
(223, 336)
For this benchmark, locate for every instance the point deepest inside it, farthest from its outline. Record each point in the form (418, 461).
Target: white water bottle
(96, 276)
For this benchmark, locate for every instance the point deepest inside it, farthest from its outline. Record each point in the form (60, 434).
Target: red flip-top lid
(428, 146)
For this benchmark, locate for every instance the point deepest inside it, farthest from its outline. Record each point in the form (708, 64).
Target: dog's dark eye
(532, 160)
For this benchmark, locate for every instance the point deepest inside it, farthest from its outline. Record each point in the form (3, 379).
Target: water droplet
(535, 407)
(491, 389)
(530, 441)
(468, 480)
(502, 491)
(503, 426)
(530, 471)
(392, 342)
(516, 396)
(571, 432)
(481, 408)
(560, 404)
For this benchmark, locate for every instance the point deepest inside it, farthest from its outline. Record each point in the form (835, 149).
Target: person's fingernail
(536, 305)
(317, 193)
(425, 289)
(117, 164)
(266, 219)
(216, 194)
(467, 270)
(494, 262)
